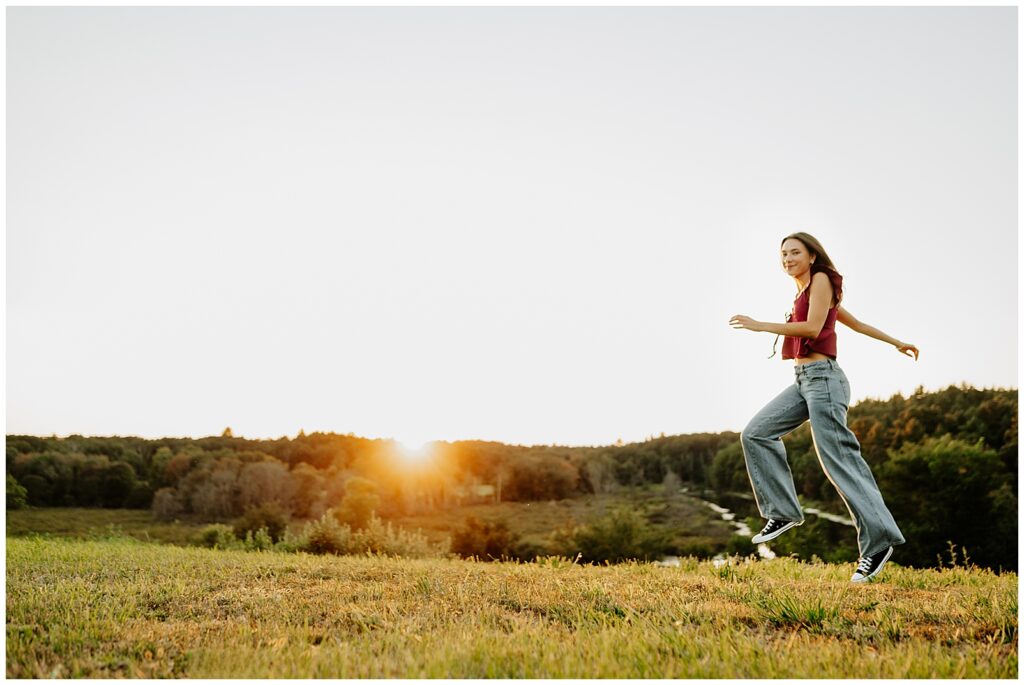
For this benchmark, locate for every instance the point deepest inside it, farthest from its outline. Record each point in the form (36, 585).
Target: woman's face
(796, 260)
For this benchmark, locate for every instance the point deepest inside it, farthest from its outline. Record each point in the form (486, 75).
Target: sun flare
(414, 449)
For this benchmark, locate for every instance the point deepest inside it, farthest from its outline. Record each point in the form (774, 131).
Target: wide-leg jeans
(821, 393)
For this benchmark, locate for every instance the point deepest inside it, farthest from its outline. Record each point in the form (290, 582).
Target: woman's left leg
(827, 392)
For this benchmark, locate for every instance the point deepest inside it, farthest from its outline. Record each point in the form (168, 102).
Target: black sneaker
(869, 567)
(773, 529)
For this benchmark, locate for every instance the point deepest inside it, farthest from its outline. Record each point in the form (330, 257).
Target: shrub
(325, 536)
(328, 536)
(258, 541)
(701, 548)
(740, 545)
(217, 536)
(623, 534)
(381, 538)
(529, 551)
(17, 496)
(484, 540)
(269, 515)
(290, 543)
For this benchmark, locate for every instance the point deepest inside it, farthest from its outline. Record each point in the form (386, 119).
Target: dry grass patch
(123, 608)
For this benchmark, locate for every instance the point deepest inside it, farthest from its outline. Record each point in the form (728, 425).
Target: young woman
(821, 393)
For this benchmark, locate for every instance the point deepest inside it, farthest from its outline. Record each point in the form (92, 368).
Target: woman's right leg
(765, 455)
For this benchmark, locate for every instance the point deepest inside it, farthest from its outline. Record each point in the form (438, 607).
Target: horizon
(305, 433)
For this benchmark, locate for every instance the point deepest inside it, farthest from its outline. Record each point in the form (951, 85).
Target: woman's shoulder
(824, 277)
(820, 277)
(827, 282)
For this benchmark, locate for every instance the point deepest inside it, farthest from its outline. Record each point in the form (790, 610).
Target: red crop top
(825, 343)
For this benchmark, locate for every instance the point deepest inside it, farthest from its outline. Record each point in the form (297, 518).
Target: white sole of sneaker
(758, 539)
(857, 578)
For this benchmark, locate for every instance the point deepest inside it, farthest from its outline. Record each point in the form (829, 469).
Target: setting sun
(414, 449)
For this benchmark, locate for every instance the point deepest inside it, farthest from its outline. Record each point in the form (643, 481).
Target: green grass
(85, 523)
(689, 520)
(123, 608)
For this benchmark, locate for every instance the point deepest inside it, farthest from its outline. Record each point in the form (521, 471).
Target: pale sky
(529, 225)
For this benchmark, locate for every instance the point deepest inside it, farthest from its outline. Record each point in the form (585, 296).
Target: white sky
(521, 224)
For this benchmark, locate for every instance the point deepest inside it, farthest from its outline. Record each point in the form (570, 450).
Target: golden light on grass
(123, 608)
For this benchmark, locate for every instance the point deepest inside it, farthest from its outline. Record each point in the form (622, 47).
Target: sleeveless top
(825, 343)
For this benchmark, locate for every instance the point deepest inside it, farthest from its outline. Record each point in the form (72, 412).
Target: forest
(946, 462)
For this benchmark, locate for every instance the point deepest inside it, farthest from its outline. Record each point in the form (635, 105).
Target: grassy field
(84, 523)
(691, 522)
(119, 607)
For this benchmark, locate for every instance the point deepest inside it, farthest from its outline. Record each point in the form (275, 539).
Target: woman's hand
(739, 321)
(907, 348)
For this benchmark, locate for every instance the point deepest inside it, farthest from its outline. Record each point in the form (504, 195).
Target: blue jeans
(820, 393)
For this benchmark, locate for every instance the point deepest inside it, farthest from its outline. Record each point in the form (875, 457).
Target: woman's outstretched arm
(817, 311)
(846, 318)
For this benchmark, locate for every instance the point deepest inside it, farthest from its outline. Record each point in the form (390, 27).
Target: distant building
(474, 493)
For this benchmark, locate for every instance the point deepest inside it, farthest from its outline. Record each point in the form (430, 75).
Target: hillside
(120, 607)
(692, 528)
(934, 455)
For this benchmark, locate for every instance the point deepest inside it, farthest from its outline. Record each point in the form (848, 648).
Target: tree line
(946, 463)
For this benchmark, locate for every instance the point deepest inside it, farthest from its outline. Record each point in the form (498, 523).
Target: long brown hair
(822, 262)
